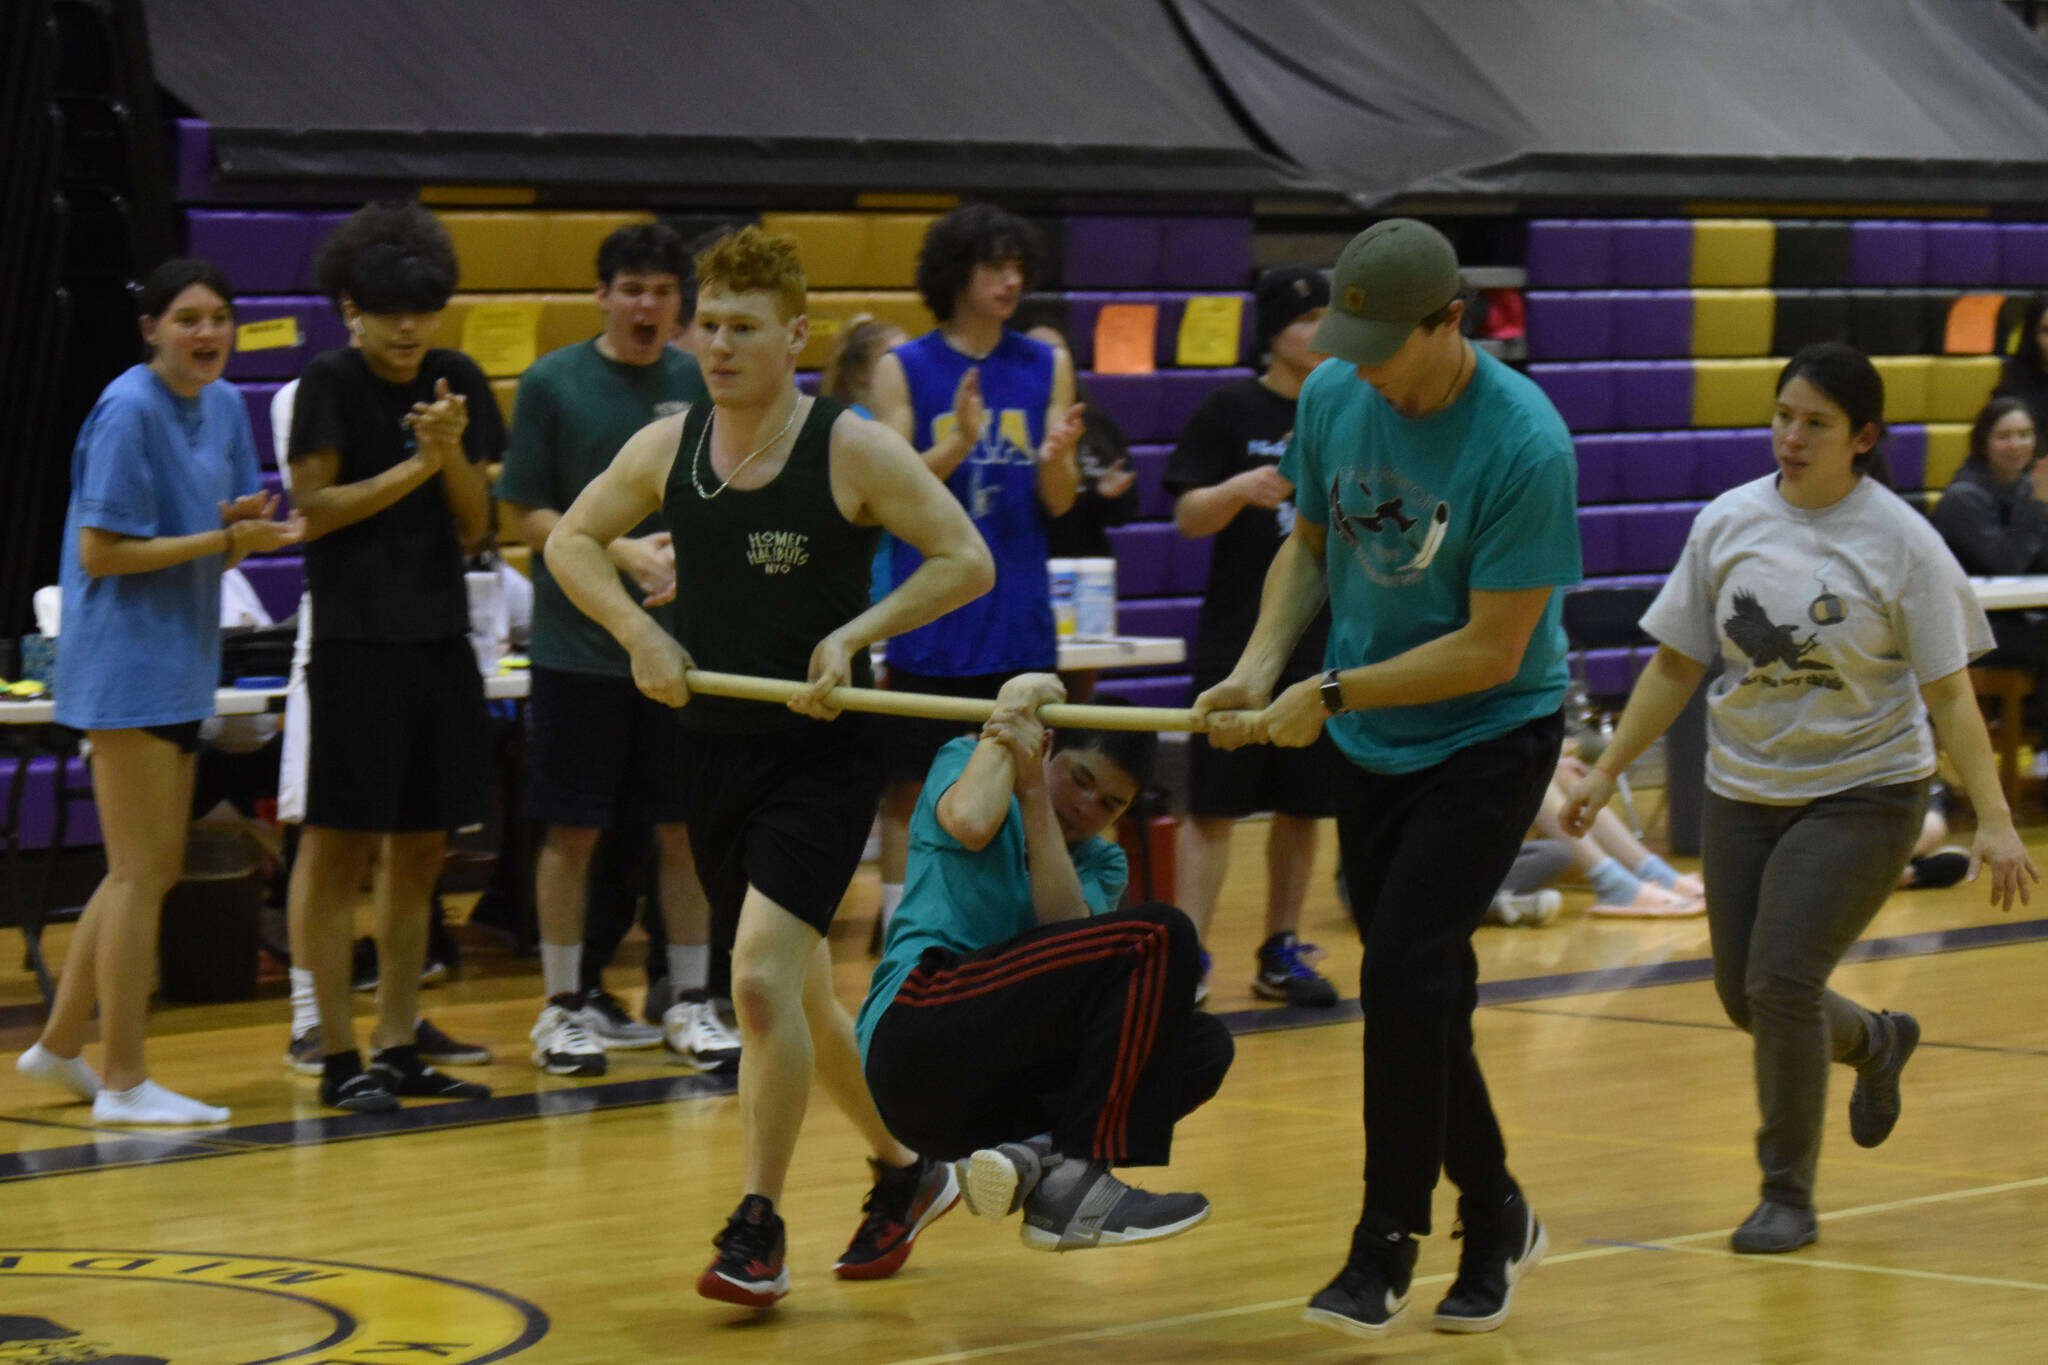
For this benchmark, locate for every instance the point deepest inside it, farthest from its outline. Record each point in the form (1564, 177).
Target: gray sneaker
(1773, 1228)
(1874, 1104)
(304, 1056)
(1078, 1205)
(996, 1181)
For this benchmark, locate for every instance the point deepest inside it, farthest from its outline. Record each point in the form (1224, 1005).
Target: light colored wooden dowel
(966, 710)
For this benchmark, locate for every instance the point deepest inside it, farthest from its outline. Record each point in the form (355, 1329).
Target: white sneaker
(606, 1020)
(561, 1047)
(698, 1038)
(1535, 908)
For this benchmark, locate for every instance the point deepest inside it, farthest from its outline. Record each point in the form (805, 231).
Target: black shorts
(600, 752)
(1234, 783)
(400, 742)
(184, 734)
(786, 812)
(913, 742)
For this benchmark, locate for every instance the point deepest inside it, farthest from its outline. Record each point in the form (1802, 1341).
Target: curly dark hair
(971, 235)
(388, 258)
(642, 249)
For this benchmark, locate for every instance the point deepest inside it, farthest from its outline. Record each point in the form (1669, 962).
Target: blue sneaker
(1202, 986)
(1285, 974)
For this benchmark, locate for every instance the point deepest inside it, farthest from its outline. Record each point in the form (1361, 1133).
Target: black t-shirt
(1083, 532)
(1237, 427)
(396, 575)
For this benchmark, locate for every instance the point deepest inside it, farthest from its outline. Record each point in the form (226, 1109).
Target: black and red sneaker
(748, 1269)
(903, 1202)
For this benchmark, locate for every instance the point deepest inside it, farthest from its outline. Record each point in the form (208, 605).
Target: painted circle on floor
(65, 1306)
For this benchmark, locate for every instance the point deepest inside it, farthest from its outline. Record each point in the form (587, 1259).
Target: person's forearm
(535, 525)
(938, 585)
(469, 499)
(344, 504)
(1205, 511)
(973, 809)
(1959, 725)
(1666, 685)
(104, 554)
(1292, 596)
(945, 457)
(1059, 483)
(583, 569)
(1055, 885)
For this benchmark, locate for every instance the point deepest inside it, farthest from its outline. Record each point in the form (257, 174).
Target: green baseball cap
(1389, 278)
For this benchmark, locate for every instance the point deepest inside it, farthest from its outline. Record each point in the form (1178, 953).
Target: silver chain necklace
(704, 438)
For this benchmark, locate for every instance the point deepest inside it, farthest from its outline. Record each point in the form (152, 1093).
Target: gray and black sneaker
(438, 1048)
(1502, 1244)
(404, 1073)
(359, 1092)
(1077, 1205)
(1773, 1228)
(1874, 1103)
(1370, 1293)
(996, 1181)
(303, 1054)
(609, 1022)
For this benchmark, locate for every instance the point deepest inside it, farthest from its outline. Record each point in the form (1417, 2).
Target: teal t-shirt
(1421, 511)
(963, 901)
(575, 409)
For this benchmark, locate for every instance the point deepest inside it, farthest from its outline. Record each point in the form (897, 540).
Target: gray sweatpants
(1789, 888)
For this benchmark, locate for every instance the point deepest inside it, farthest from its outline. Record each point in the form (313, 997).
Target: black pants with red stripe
(1085, 1029)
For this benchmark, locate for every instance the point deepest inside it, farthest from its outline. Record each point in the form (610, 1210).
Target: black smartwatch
(1333, 693)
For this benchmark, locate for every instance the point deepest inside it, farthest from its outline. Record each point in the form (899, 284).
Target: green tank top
(763, 574)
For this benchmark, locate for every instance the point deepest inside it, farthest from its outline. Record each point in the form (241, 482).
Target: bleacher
(1660, 339)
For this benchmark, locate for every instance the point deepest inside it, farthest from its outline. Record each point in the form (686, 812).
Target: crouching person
(1020, 1024)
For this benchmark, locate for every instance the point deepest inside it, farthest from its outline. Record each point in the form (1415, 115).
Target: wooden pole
(966, 710)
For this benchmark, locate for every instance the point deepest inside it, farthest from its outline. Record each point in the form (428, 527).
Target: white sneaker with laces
(561, 1047)
(1533, 908)
(698, 1038)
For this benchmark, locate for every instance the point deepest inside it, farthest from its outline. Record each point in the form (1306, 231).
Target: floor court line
(1992, 1048)
(1597, 1252)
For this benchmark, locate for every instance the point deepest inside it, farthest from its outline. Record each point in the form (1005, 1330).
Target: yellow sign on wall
(502, 338)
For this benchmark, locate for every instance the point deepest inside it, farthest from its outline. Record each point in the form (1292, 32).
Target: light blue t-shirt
(1421, 511)
(144, 648)
(963, 901)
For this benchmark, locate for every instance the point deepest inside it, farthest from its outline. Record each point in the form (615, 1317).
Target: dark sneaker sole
(745, 1293)
(1451, 1322)
(474, 1056)
(381, 1104)
(1352, 1327)
(1318, 1000)
(704, 1061)
(1041, 1239)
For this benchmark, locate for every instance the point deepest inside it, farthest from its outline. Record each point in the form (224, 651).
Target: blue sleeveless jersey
(1009, 630)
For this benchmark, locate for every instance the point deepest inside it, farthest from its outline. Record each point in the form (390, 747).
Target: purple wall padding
(1964, 254)
(1144, 557)
(1154, 502)
(2023, 254)
(1187, 570)
(1653, 252)
(1582, 394)
(278, 580)
(1204, 253)
(1600, 539)
(1574, 253)
(1886, 252)
(1609, 672)
(262, 253)
(1653, 324)
(192, 154)
(1726, 457)
(256, 396)
(1134, 401)
(39, 803)
(1653, 395)
(1905, 450)
(1600, 459)
(1658, 466)
(1174, 689)
(1174, 616)
(320, 330)
(1570, 325)
(1652, 535)
(1113, 253)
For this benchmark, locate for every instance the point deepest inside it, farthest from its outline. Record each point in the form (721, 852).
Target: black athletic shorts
(400, 741)
(184, 734)
(1235, 783)
(599, 752)
(786, 812)
(914, 742)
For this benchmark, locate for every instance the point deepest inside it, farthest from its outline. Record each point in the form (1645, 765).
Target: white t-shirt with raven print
(1827, 624)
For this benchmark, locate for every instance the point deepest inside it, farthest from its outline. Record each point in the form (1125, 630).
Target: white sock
(561, 968)
(305, 1006)
(689, 966)
(70, 1072)
(151, 1103)
(892, 896)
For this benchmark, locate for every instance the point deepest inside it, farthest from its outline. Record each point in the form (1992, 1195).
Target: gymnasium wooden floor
(565, 1221)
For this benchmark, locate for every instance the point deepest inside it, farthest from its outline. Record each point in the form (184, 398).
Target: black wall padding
(1811, 254)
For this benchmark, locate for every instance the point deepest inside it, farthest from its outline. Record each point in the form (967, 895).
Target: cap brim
(1361, 341)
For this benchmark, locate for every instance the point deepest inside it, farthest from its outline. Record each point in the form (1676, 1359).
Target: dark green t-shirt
(575, 409)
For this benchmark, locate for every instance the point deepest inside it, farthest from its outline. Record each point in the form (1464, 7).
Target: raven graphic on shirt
(1764, 640)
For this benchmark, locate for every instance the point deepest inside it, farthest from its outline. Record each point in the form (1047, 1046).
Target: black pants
(1085, 1029)
(1423, 854)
